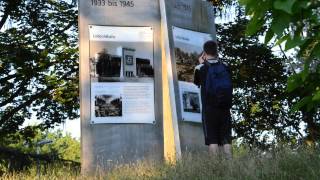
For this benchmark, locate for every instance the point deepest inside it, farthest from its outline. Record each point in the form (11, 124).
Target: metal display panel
(187, 49)
(194, 19)
(191, 19)
(122, 74)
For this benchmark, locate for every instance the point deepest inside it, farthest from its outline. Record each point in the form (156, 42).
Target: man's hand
(201, 58)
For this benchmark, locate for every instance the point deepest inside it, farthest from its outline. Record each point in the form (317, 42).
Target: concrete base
(135, 142)
(191, 137)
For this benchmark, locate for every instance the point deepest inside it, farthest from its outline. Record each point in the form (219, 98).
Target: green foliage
(24, 149)
(39, 63)
(63, 146)
(261, 114)
(296, 24)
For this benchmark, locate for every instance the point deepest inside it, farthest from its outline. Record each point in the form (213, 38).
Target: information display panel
(122, 103)
(121, 74)
(187, 48)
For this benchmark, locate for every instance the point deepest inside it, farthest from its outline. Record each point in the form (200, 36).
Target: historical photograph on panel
(187, 48)
(122, 102)
(121, 54)
(191, 102)
(107, 105)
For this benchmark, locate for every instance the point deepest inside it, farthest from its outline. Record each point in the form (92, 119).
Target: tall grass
(253, 164)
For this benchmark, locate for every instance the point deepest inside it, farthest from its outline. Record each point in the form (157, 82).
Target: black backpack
(218, 85)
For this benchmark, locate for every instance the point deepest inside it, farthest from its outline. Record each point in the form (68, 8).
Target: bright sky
(72, 127)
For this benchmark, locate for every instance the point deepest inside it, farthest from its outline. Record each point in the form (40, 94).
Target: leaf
(280, 21)
(248, 4)
(269, 36)
(299, 6)
(305, 73)
(281, 40)
(294, 82)
(292, 43)
(284, 5)
(316, 97)
(253, 26)
(310, 106)
(316, 51)
(304, 49)
(303, 102)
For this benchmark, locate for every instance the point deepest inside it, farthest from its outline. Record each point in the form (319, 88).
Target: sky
(72, 127)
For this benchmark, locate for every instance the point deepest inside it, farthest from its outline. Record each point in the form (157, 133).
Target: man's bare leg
(221, 150)
(227, 148)
(213, 149)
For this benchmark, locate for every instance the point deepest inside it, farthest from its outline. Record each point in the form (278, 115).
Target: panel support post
(172, 150)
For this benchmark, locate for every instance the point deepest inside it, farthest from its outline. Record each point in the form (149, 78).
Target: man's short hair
(210, 48)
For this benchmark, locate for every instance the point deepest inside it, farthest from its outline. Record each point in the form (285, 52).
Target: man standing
(214, 79)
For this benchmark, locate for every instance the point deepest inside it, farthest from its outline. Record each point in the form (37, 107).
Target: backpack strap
(206, 63)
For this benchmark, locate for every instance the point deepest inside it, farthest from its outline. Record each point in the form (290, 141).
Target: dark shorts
(217, 126)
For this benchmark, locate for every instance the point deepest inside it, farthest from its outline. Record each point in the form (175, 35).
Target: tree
(62, 147)
(295, 24)
(38, 63)
(18, 151)
(261, 116)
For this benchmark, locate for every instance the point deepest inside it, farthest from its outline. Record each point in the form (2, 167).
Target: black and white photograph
(191, 102)
(108, 106)
(121, 54)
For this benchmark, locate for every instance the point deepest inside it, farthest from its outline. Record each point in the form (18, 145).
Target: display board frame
(122, 74)
(187, 48)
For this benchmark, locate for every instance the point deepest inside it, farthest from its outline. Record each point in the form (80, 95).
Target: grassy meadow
(246, 164)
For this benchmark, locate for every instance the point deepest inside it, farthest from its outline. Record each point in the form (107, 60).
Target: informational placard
(122, 74)
(187, 48)
(190, 102)
(122, 103)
